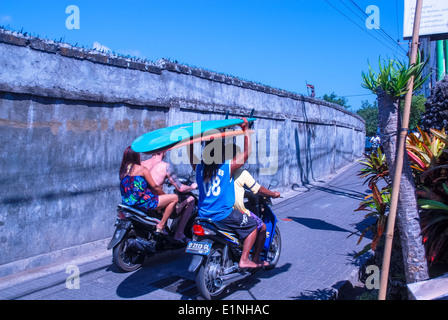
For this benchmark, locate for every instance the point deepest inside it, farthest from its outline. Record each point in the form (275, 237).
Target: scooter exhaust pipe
(141, 245)
(230, 278)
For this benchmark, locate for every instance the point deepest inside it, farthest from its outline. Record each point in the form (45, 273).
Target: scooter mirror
(192, 178)
(274, 183)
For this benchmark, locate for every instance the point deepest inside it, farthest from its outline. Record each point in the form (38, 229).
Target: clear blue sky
(280, 43)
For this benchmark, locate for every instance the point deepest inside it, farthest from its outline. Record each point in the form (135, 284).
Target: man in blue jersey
(217, 196)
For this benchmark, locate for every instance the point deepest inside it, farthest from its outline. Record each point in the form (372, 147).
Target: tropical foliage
(375, 168)
(429, 155)
(393, 77)
(417, 109)
(377, 203)
(334, 98)
(369, 112)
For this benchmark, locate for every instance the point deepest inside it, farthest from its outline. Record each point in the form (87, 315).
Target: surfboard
(165, 138)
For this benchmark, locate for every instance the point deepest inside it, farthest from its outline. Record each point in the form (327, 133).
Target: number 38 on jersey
(213, 187)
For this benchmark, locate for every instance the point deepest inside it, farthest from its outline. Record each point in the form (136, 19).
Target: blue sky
(280, 43)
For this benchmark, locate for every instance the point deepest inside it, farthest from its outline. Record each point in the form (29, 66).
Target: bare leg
(185, 208)
(245, 262)
(167, 201)
(259, 242)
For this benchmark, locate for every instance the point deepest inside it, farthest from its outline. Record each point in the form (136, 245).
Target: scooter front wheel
(207, 274)
(274, 250)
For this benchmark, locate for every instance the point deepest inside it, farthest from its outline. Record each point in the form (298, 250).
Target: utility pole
(399, 159)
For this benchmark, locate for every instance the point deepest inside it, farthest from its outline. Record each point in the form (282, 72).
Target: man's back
(157, 168)
(243, 178)
(216, 196)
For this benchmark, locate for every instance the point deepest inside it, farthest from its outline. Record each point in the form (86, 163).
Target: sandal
(161, 231)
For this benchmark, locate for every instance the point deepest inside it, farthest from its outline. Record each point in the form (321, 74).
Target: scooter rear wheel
(207, 274)
(125, 259)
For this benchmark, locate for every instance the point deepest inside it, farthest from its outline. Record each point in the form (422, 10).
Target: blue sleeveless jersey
(217, 196)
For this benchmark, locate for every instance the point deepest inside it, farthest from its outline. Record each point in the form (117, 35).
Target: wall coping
(95, 56)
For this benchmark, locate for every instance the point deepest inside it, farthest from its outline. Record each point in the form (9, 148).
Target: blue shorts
(241, 223)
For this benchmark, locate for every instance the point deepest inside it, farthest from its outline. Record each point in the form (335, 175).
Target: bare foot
(248, 264)
(262, 263)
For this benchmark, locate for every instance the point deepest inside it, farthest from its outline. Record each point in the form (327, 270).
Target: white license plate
(196, 247)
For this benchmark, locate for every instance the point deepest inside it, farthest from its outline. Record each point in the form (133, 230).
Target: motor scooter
(135, 237)
(217, 250)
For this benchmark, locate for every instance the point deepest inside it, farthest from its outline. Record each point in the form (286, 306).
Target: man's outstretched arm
(172, 176)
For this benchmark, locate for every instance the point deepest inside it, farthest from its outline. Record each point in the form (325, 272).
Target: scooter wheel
(126, 260)
(274, 250)
(207, 274)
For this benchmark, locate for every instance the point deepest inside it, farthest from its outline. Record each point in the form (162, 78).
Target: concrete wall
(67, 114)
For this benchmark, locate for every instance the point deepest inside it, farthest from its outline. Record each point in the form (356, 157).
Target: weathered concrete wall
(67, 114)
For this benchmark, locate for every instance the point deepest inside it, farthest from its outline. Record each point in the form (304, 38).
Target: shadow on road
(318, 224)
(155, 268)
(146, 280)
(248, 283)
(319, 294)
(137, 284)
(352, 194)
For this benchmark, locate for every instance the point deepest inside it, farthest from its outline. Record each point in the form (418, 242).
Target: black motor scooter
(135, 237)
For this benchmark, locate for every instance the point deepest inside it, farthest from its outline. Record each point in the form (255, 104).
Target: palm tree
(390, 85)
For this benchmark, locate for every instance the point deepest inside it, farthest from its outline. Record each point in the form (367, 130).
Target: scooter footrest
(231, 269)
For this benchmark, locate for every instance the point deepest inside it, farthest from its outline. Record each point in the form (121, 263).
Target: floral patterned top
(135, 192)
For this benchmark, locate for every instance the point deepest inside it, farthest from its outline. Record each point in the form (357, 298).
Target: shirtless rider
(160, 170)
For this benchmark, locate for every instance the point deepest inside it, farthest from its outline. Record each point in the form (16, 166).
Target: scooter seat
(151, 214)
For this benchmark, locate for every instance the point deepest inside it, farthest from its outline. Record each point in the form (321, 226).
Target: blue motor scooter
(217, 250)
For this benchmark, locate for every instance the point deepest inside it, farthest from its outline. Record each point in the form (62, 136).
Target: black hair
(211, 169)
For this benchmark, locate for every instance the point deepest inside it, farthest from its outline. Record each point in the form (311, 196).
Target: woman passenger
(138, 189)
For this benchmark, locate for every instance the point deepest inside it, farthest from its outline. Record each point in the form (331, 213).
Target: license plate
(196, 247)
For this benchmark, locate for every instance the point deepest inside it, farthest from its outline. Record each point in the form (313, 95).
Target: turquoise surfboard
(165, 138)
